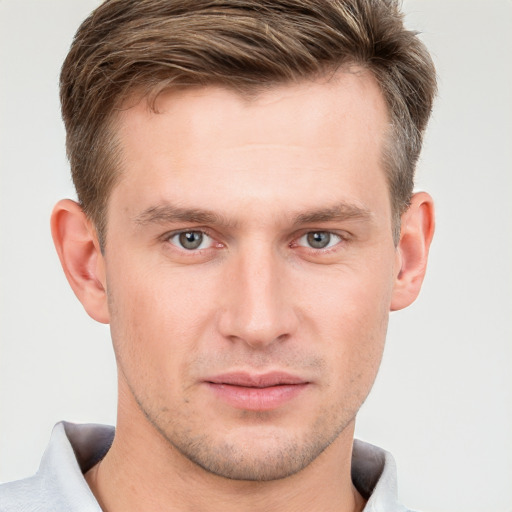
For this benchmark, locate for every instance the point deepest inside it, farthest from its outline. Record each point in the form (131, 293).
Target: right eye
(191, 240)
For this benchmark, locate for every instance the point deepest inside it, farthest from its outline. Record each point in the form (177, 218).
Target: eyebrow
(336, 213)
(168, 214)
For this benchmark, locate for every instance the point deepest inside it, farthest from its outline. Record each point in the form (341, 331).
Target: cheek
(355, 297)
(156, 320)
(350, 315)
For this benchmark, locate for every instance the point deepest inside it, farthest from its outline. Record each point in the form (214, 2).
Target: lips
(256, 392)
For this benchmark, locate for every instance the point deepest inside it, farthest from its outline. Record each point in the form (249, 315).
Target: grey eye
(318, 239)
(190, 240)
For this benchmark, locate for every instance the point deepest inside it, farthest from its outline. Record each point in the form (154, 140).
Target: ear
(79, 252)
(417, 230)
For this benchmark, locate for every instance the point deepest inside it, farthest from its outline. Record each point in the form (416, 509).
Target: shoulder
(59, 483)
(23, 495)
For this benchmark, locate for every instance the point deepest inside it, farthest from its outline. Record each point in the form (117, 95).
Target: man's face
(250, 267)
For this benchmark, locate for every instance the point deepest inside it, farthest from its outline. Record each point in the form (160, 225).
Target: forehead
(350, 98)
(210, 141)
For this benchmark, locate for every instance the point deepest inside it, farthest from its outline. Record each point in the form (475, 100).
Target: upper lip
(253, 380)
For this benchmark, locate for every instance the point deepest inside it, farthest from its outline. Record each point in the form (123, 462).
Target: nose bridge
(258, 310)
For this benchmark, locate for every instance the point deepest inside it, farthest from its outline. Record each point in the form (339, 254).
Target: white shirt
(59, 484)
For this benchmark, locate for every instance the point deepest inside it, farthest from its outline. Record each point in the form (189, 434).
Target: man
(245, 224)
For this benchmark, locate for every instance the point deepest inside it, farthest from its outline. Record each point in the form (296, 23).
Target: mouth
(256, 392)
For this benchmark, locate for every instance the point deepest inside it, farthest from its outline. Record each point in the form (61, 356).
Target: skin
(255, 178)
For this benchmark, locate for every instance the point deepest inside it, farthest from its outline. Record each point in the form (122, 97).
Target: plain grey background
(442, 403)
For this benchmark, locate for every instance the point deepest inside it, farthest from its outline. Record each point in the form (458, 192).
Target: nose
(258, 300)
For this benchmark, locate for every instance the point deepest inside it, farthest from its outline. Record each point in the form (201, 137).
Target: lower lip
(257, 399)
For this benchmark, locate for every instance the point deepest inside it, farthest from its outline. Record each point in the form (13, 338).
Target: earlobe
(416, 234)
(77, 245)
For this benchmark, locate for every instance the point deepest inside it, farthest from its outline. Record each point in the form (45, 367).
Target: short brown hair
(145, 46)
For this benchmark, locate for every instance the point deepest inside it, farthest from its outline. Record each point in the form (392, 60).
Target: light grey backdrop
(443, 400)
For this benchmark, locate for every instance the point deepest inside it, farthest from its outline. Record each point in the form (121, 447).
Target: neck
(142, 471)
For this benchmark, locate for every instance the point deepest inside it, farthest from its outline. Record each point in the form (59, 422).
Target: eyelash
(341, 239)
(176, 234)
(328, 248)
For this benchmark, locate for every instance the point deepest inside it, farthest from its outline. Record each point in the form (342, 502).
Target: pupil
(191, 239)
(319, 240)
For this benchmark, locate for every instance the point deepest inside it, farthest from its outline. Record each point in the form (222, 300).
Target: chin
(272, 454)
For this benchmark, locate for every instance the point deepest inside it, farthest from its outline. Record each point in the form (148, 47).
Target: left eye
(191, 240)
(319, 239)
